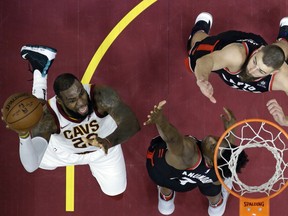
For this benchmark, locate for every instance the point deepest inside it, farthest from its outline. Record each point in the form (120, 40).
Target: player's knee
(30, 169)
(115, 190)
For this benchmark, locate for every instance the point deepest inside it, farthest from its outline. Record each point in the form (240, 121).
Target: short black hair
(273, 56)
(63, 82)
(225, 156)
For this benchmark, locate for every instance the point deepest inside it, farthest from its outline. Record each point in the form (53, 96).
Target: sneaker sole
(284, 22)
(207, 17)
(47, 51)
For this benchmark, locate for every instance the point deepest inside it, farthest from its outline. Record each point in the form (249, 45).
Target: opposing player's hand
(228, 118)
(277, 112)
(206, 89)
(99, 142)
(155, 114)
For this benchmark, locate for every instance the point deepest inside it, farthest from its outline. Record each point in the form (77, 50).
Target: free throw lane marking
(88, 75)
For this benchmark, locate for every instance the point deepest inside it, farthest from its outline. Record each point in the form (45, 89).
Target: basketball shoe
(203, 22)
(39, 57)
(283, 30)
(165, 207)
(219, 210)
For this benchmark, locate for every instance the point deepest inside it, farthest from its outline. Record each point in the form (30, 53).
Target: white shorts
(109, 170)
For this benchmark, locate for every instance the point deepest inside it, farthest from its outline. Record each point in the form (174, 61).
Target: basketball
(22, 111)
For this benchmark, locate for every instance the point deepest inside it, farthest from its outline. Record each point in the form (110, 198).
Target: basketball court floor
(137, 47)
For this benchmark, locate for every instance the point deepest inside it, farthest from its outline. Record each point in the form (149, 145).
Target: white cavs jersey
(70, 130)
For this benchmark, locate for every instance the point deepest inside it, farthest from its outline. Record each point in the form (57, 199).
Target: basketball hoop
(269, 140)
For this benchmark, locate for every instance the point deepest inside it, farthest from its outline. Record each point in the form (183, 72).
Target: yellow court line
(112, 36)
(138, 9)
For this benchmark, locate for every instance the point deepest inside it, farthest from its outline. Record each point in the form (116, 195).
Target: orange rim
(218, 145)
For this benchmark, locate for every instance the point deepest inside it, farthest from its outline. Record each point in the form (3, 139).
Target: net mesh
(256, 135)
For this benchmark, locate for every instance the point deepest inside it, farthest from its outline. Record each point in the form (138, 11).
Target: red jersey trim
(198, 162)
(206, 47)
(272, 81)
(187, 65)
(56, 120)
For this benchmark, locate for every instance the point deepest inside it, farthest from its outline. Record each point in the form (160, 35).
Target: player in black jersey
(242, 60)
(181, 163)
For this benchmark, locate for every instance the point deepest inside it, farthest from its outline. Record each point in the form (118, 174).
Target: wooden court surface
(145, 64)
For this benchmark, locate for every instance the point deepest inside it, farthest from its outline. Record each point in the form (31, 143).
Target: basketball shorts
(158, 171)
(109, 170)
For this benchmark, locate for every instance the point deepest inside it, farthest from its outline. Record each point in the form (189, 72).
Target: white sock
(39, 88)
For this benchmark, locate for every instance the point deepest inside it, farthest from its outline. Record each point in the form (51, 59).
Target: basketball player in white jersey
(82, 124)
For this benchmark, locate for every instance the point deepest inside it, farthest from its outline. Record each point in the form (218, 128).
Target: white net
(256, 135)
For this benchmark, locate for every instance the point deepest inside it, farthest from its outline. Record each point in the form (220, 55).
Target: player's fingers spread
(146, 122)
(272, 101)
(161, 104)
(274, 109)
(271, 106)
(212, 99)
(89, 141)
(85, 140)
(277, 112)
(229, 113)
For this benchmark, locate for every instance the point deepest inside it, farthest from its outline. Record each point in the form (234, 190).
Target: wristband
(24, 136)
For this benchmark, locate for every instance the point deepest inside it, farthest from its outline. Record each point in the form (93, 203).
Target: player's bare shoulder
(105, 98)
(281, 79)
(235, 54)
(236, 50)
(46, 126)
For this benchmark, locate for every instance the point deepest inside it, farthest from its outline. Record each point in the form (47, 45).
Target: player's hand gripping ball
(22, 111)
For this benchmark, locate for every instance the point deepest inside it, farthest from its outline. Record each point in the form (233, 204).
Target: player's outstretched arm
(203, 68)
(33, 144)
(108, 101)
(231, 56)
(33, 147)
(228, 120)
(170, 134)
